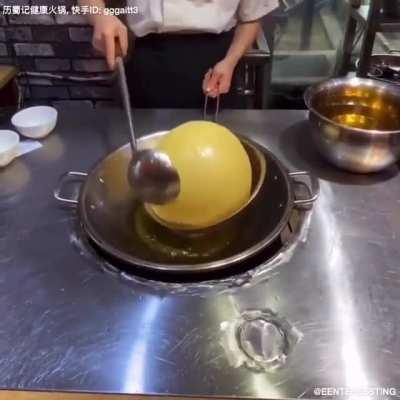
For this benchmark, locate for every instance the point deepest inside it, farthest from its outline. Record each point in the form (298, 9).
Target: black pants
(167, 70)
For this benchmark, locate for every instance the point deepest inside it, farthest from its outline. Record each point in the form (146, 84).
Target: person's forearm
(96, 3)
(245, 35)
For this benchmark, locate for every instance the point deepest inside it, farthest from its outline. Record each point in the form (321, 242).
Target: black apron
(167, 70)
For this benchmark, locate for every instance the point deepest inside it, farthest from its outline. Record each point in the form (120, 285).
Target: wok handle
(68, 176)
(314, 190)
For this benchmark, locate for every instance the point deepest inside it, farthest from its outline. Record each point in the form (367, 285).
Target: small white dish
(9, 146)
(35, 122)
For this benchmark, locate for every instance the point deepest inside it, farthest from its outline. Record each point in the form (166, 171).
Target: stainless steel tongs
(206, 107)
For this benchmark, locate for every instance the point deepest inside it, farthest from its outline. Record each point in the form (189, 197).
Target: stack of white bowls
(33, 123)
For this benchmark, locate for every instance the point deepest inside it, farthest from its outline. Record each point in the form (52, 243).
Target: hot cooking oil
(374, 116)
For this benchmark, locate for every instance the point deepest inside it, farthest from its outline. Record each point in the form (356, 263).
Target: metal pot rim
(313, 90)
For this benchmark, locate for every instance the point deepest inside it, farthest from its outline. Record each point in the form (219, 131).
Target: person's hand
(108, 30)
(218, 80)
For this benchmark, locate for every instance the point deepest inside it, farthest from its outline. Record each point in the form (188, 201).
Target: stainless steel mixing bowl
(356, 123)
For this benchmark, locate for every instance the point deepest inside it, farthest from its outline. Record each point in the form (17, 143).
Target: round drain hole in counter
(263, 341)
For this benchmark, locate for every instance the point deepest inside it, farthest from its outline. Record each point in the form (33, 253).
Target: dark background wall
(56, 45)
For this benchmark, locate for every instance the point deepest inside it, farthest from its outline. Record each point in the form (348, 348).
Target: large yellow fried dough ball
(215, 174)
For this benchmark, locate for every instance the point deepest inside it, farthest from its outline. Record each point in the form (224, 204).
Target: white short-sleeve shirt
(214, 16)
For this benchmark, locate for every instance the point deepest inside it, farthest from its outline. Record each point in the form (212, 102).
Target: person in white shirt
(183, 48)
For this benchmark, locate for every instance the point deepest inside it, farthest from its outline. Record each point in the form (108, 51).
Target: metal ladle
(150, 172)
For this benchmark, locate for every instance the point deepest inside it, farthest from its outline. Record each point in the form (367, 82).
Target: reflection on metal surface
(13, 179)
(53, 149)
(260, 340)
(343, 300)
(135, 376)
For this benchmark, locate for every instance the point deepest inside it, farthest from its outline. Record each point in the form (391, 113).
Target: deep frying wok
(121, 227)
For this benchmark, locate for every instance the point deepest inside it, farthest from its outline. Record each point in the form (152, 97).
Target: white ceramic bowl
(35, 122)
(9, 142)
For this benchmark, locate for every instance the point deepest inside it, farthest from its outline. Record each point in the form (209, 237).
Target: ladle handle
(126, 100)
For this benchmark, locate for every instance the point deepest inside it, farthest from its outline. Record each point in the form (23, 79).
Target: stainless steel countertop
(69, 325)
